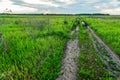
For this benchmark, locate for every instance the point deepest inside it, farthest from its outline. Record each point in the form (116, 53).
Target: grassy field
(108, 28)
(31, 47)
(90, 65)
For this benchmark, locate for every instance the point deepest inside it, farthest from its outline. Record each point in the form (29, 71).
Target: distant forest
(55, 14)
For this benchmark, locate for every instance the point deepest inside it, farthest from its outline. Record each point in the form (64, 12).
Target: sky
(60, 6)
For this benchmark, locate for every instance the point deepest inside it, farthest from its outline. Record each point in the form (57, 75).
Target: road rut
(69, 67)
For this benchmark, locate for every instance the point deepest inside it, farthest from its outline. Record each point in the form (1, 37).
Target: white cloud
(53, 3)
(114, 3)
(68, 1)
(107, 5)
(7, 4)
(22, 9)
(115, 11)
(111, 7)
(49, 12)
(61, 6)
(91, 1)
(42, 2)
(102, 6)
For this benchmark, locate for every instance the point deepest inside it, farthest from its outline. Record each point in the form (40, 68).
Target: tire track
(107, 56)
(69, 67)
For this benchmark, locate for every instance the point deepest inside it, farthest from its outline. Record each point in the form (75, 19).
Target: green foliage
(32, 47)
(108, 29)
(90, 65)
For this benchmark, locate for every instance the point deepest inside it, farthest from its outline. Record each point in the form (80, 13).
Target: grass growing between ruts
(90, 66)
(108, 29)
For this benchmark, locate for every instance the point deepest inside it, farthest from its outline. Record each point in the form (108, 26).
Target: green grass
(109, 31)
(90, 65)
(32, 47)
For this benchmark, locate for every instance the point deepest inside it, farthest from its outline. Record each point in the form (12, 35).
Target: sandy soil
(69, 67)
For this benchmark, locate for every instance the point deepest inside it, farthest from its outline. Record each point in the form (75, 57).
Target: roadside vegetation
(108, 29)
(90, 65)
(32, 47)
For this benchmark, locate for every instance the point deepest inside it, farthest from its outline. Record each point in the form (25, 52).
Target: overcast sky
(61, 6)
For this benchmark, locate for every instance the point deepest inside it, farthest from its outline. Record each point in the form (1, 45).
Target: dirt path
(69, 67)
(107, 56)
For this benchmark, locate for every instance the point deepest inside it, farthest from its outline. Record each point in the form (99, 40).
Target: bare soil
(69, 67)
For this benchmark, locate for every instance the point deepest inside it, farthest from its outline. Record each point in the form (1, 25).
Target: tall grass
(33, 46)
(90, 65)
(108, 30)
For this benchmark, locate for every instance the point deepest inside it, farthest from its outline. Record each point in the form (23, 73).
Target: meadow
(32, 47)
(108, 29)
(90, 65)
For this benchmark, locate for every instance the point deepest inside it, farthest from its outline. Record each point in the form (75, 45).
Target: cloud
(115, 3)
(22, 9)
(41, 2)
(115, 11)
(5, 2)
(15, 8)
(51, 3)
(46, 6)
(102, 6)
(109, 7)
(61, 6)
(67, 2)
